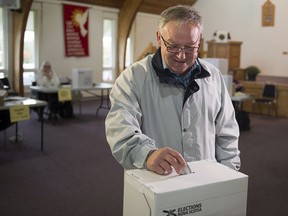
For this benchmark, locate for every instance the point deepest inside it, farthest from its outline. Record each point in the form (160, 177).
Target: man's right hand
(164, 159)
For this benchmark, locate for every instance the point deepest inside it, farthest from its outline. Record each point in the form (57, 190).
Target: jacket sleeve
(128, 144)
(227, 132)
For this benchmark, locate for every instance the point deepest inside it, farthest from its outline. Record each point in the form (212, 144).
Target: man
(172, 107)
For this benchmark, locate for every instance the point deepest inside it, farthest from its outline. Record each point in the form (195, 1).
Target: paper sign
(64, 94)
(19, 113)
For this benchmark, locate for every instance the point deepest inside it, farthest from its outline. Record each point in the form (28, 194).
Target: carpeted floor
(76, 175)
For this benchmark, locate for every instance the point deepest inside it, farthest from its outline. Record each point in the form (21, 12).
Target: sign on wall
(76, 30)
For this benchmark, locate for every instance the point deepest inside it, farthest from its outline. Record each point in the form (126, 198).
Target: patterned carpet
(76, 175)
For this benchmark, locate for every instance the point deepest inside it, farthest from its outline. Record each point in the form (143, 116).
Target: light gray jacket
(147, 114)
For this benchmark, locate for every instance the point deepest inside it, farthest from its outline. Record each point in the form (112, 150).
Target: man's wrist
(148, 155)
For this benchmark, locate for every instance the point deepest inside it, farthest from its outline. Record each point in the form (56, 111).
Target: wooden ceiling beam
(147, 6)
(125, 20)
(106, 3)
(19, 26)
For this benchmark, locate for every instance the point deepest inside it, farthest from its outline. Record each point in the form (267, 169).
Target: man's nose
(181, 54)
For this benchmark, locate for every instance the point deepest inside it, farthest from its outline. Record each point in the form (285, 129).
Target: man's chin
(179, 70)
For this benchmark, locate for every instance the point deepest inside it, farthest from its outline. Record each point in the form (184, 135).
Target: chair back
(5, 83)
(269, 91)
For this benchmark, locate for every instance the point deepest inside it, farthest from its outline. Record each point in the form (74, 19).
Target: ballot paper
(186, 170)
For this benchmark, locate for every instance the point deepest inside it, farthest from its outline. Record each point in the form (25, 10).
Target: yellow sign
(19, 113)
(64, 94)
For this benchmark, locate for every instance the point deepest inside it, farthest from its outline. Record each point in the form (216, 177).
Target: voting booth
(211, 189)
(82, 78)
(220, 63)
(228, 79)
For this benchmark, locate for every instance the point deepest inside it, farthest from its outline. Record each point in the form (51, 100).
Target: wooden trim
(126, 17)
(19, 26)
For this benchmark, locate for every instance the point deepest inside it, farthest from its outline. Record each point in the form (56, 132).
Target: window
(2, 44)
(128, 56)
(109, 49)
(30, 51)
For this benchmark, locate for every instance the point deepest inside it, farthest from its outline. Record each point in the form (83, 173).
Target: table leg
(16, 132)
(107, 99)
(42, 128)
(101, 105)
(101, 102)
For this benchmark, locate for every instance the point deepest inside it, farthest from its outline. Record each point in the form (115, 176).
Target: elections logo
(170, 212)
(184, 210)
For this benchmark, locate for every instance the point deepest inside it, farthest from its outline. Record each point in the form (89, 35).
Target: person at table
(47, 77)
(172, 107)
(5, 121)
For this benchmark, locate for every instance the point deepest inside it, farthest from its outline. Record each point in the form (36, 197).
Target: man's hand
(162, 160)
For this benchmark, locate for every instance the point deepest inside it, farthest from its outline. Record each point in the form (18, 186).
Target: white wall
(144, 32)
(52, 40)
(262, 46)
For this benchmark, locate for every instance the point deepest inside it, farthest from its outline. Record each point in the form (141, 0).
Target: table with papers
(16, 101)
(103, 87)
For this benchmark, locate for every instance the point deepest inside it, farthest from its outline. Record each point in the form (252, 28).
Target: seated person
(47, 77)
(5, 121)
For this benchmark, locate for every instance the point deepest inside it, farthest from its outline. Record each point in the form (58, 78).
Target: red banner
(76, 30)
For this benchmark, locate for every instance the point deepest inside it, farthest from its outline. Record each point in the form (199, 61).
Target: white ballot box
(211, 189)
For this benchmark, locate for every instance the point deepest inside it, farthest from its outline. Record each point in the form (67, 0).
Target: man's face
(179, 45)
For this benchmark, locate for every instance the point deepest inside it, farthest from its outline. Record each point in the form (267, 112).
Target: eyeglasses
(174, 49)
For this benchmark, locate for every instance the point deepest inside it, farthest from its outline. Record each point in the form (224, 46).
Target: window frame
(6, 18)
(37, 20)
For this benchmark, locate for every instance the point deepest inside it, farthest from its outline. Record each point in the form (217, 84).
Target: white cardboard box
(82, 78)
(220, 63)
(211, 189)
(228, 79)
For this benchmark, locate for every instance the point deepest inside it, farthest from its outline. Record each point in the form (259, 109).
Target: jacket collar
(168, 78)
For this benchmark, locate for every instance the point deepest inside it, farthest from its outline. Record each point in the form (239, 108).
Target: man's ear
(158, 37)
(200, 41)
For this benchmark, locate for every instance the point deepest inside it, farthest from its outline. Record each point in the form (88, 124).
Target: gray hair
(181, 13)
